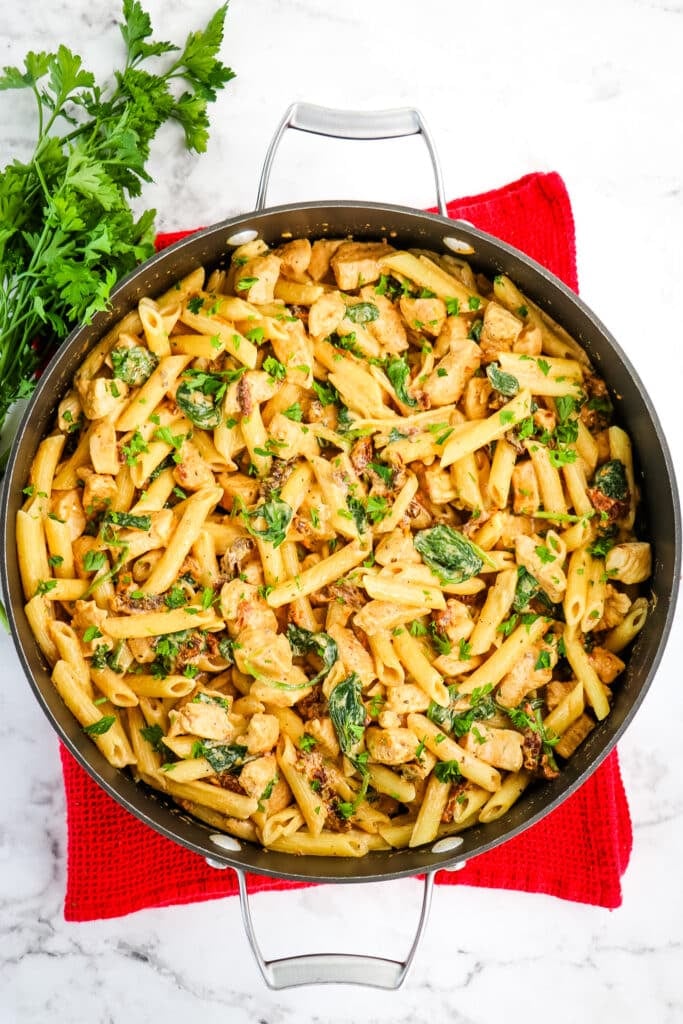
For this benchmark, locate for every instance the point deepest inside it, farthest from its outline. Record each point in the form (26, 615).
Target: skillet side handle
(352, 124)
(333, 968)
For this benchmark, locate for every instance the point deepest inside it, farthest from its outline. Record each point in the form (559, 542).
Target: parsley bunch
(67, 232)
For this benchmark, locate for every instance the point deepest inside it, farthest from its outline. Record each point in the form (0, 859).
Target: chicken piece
(526, 497)
(256, 280)
(513, 526)
(69, 412)
(257, 775)
(616, 608)
(547, 569)
(524, 676)
(356, 263)
(102, 397)
(529, 342)
(396, 546)
(322, 252)
(295, 256)
(500, 331)
(292, 439)
(630, 562)
(262, 733)
(238, 485)
(439, 485)
(446, 383)
(87, 615)
(556, 691)
(326, 314)
(425, 315)
(353, 654)
(99, 492)
(142, 649)
(380, 616)
(103, 451)
(205, 717)
(68, 507)
(406, 698)
(391, 746)
(263, 653)
(192, 472)
(323, 732)
(295, 352)
(475, 398)
(417, 770)
(242, 608)
(455, 329)
(388, 329)
(606, 664)
(389, 720)
(455, 621)
(501, 748)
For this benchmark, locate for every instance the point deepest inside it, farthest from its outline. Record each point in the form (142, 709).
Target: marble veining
(593, 91)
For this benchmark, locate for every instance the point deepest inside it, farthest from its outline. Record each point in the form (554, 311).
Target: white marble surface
(594, 91)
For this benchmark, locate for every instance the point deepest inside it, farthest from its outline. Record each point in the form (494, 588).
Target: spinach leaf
(133, 365)
(527, 589)
(362, 312)
(610, 478)
(482, 706)
(303, 641)
(359, 513)
(398, 373)
(504, 383)
(448, 554)
(210, 698)
(277, 514)
(200, 395)
(347, 712)
(223, 757)
(101, 726)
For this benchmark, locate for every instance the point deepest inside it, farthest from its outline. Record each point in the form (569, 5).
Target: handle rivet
(225, 843)
(242, 237)
(457, 244)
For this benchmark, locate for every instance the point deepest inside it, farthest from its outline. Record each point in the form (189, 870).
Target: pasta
(337, 550)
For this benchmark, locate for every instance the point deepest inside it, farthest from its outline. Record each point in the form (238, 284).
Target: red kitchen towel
(579, 852)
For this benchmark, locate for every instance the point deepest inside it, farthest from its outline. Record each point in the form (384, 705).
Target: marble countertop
(593, 91)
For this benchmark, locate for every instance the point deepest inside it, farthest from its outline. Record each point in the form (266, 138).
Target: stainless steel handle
(333, 968)
(352, 124)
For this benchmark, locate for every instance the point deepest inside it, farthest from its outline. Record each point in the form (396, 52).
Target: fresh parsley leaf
(447, 771)
(101, 726)
(277, 515)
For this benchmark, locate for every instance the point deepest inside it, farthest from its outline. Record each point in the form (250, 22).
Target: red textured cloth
(579, 852)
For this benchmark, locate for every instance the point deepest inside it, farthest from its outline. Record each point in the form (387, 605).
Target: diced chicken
(103, 452)
(388, 329)
(406, 698)
(616, 607)
(380, 616)
(547, 569)
(526, 497)
(356, 263)
(69, 412)
(322, 252)
(353, 654)
(295, 256)
(501, 748)
(102, 397)
(439, 485)
(424, 315)
(238, 485)
(99, 492)
(529, 342)
(500, 331)
(87, 615)
(242, 608)
(455, 621)
(556, 691)
(447, 381)
(323, 732)
(206, 718)
(389, 720)
(326, 314)
(257, 775)
(263, 653)
(292, 439)
(415, 771)
(524, 676)
(192, 472)
(396, 546)
(513, 526)
(630, 562)
(455, 328)
(68, 507)
(475, 399)
(262, 733)
(606, 664)
(256, 280)
(391, 746)
(295, 352)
